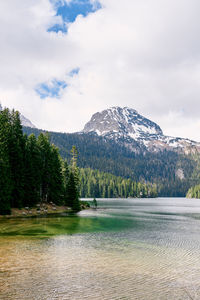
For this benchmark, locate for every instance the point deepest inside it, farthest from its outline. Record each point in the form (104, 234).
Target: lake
(140, 249)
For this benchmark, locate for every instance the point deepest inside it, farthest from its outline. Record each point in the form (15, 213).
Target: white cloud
(139, 53)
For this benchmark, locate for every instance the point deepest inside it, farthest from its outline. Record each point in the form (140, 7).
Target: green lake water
(140, 249)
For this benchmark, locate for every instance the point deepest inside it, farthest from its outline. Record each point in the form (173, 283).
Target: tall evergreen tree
(73, 185)
(72, 199)
(56, 188)
(45, 157)
(66, 173)
(5, 185)
(74, 167)
(32, 172)
(5, 171)
(16, 158)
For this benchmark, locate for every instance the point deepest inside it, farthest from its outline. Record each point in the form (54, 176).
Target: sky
(63, 60)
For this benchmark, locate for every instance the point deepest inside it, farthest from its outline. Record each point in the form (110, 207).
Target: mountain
(122, 142)
(127, 127)
(25, 122)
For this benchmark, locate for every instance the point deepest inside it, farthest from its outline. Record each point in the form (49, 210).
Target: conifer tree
(73, 199)
(5, 172)
(45, 157)
(5, 186)
(73, 185)
(16, 159)
(32, 172)
(74, 168)
(56, 188)
(66, 174)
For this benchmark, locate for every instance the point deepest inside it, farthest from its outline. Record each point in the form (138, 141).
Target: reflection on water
(127, 249)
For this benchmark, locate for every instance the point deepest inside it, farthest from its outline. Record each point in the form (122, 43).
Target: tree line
(31, 169)
(104, 185)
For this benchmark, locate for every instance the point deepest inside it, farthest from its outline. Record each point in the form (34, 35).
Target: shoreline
(43, 210)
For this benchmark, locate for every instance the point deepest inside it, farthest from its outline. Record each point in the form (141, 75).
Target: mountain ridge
(126, 126)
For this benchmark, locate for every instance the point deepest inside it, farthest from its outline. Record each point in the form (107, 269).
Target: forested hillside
(104, 185)
(161, 168)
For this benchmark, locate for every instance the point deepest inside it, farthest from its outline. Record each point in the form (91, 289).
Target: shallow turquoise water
(126, 249)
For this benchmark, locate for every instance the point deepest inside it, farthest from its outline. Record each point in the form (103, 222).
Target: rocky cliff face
(126, 126)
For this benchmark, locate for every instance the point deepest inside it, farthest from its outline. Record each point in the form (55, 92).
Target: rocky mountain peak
(122, 122)
(126, 126)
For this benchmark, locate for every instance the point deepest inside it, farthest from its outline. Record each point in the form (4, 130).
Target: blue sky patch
(74, 72)
(68, 11)
(58, 27)
(51, 89)
(71, 10)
